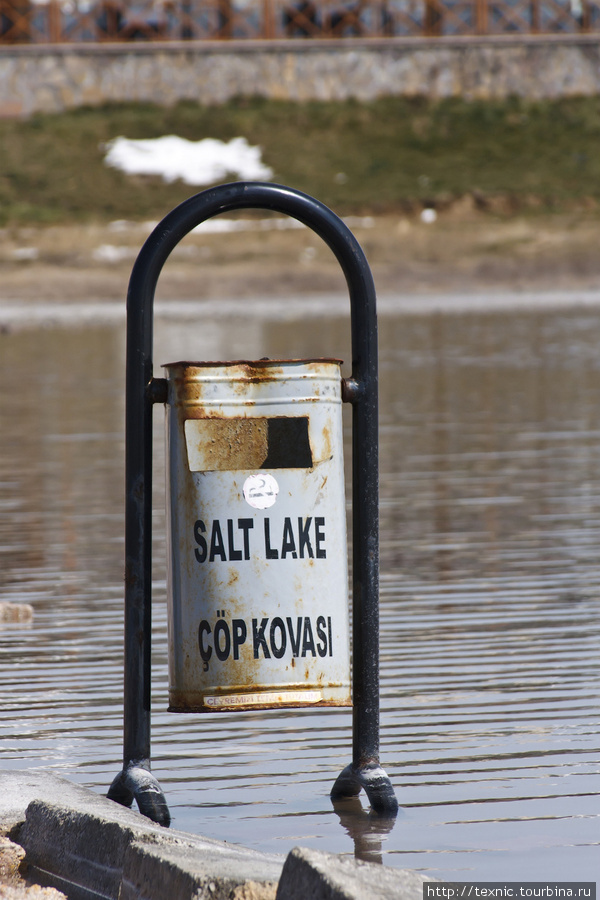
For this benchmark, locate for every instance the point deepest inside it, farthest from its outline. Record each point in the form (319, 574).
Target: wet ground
(460, 252)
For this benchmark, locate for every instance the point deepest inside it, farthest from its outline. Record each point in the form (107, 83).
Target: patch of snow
(194, 162)
(108, 253)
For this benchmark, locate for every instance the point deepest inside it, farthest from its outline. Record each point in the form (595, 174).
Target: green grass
(384, 156)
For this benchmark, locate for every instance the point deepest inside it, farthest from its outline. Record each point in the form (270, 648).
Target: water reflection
(490, 506)
(368, 831)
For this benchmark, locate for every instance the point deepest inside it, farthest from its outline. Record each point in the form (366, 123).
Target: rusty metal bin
(258, 575)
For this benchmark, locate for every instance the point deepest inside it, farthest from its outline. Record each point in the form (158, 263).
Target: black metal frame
(143, 390)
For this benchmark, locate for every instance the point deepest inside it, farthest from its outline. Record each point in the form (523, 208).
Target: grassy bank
(393, 154)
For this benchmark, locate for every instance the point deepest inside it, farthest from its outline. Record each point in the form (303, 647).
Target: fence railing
(70, 21)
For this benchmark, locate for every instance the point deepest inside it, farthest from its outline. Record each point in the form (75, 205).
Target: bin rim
(256, 363)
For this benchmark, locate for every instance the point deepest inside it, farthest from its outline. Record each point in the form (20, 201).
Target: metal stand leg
(365, 770)
(137, 782)
(375, 783)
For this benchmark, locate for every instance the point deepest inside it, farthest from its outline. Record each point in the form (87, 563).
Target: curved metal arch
(142, 390)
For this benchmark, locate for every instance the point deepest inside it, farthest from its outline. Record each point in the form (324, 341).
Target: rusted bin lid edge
(252, 362)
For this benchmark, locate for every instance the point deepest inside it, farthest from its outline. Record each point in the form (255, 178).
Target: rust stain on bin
(257, 560)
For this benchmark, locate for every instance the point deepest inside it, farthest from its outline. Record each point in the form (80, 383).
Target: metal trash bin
(257, 572)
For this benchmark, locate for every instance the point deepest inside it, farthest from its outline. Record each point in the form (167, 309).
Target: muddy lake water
(490, 588)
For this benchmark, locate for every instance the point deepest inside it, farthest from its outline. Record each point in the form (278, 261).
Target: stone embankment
(62, 840)
(53, 78)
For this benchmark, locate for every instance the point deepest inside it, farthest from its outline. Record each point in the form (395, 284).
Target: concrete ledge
(155, 873)
(107, 851)
(93, 849)
(325, 876)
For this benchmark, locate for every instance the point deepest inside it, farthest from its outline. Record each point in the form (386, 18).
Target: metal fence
(70, 21)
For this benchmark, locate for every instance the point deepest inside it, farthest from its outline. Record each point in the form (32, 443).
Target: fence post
(268, 20)
(225, 26)
(481, 16)
(432, 19)
(54, 22)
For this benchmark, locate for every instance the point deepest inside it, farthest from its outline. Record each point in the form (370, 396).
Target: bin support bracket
(142, 391)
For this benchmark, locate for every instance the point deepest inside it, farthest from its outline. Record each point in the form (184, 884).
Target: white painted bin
(258, 572)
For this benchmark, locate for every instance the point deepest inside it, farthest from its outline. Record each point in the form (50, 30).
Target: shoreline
(469, 259)
(78, 844)
(17, 317)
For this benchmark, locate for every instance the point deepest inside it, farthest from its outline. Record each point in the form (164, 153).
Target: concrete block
(76, 852)
(325, 876)
(19, 788)
(94, 848)
(153, 873)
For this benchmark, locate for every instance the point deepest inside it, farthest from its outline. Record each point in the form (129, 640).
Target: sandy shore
(463, 253)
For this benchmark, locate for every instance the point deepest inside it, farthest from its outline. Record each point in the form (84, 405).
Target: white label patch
(260, 491)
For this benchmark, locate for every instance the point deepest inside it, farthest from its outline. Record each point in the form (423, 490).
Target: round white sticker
(260, 491)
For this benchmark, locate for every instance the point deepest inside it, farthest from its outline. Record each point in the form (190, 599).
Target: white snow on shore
(194, 162)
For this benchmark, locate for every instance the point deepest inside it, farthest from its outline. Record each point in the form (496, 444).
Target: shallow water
(490, 663)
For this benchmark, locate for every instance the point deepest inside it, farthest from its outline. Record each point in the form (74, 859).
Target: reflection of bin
(258, 582)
